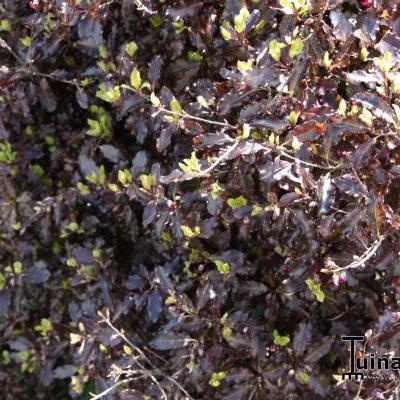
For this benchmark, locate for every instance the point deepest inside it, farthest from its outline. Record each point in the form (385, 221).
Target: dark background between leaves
(309, 218)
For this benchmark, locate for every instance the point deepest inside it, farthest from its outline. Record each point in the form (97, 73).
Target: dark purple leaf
(82, 98)
(361, 76)
(342, 27)
(66, 371)
(37, 275)
(376, 105)
(154, 306)
(5, 301)
(155, 69)
(164, 140)
(175, 176)
(252, 21)
(139, 163)
(46, 97)
(111, 153)
(135, 282)
(318, 350)
(149, 213)
(302, 338)
(275, 171)
(170, 341)
(390, 43)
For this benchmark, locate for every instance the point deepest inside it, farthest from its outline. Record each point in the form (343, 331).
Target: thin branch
(111, 388)
(282, 151)
(141, 7)
(367, 255)
(150, 374)
(27, 70)
(54, 78)
(4, 44)
(140, 365)
(218, 161)
(194, 118)
(124, 338)
(179, 386)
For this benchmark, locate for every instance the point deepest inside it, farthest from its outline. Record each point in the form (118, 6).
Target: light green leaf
(342, 107)
(237, 202)
(125, 177)
(175, 106)
(195, 56)
(367, 117)
(26, 41)
(257, 210)
(147, 181)
(215, 190)
(5, 25)
(288, 7)
(45, 326)
(189, 233)
(315, 289)
(326, 61)
(190, 165)
(225, 33)
(83, 189)
(244, 66)
(219, 375)
(2, 281)
(246, 131)
(155, 100)
(17, 266)
(156, 21)
(296, 48)
(385, 63)
(280, 340)
(294, 117)
(131, 48)
(303, 377)
(223, 268)
(241, 19)
(111, 94)
(202, 101)
(136, 80)
(102, 174)
(364, 54)
(275, 49)
(214, 383)
(227, 333)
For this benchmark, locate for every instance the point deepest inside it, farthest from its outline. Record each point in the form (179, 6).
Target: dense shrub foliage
(197, 198)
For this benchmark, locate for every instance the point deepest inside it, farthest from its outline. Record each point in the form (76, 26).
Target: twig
(4, 44)
(363, 187)
(140, 365)
(341, 314)
(124, 338)
(49, 76)
(368, 254)
(194, 118)
(218, 161)
(179, 386)
(111, 388)
(140, 6)
(28, 70)
(150, 374)
(282, 151)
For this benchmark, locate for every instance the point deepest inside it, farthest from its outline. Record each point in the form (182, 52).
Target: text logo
(368, 362)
